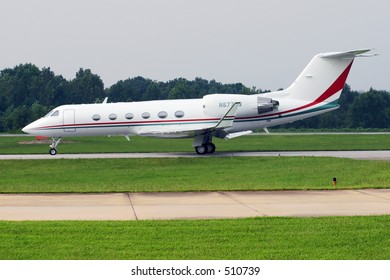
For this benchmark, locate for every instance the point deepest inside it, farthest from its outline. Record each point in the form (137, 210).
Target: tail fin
(324, 77)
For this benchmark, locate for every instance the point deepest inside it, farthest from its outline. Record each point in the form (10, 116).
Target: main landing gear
(203, 144)
(53, 146)
(207, 148)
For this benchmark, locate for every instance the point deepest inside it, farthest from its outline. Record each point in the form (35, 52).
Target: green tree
(86, 87)
(23, 86)
(27, 93)
(16, 117)
(181, 90)
(152, 92)
(371, 109)
(134, 89)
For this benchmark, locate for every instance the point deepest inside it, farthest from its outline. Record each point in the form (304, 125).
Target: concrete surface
(368, 155)
(196, 205)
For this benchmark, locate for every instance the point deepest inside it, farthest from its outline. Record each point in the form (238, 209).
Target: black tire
(201, 150)
(210, 147)
(53, 151)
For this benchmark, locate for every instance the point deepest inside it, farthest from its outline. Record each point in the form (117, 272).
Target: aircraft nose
(27, 129)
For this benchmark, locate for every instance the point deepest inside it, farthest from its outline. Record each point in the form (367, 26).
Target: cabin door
(69, 120)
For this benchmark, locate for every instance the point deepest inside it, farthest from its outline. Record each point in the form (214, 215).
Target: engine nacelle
(265, 104)
(216, 105)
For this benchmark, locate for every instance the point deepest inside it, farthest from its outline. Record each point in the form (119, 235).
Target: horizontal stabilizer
(348, 54)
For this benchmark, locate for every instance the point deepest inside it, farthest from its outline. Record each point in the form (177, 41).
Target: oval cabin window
(162, 115)
(129, 116)
(179, 114)
(96, 117)
(112, 117)
(146, 115)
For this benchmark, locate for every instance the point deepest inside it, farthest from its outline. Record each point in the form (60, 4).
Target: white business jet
(315, 91)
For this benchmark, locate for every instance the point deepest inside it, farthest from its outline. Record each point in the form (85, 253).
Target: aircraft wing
(191, 129)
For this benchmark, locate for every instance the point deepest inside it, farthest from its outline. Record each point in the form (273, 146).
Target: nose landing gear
(53, 146)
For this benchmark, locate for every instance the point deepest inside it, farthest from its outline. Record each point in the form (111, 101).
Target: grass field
(255, 238)
(190, 174)
(259, 142)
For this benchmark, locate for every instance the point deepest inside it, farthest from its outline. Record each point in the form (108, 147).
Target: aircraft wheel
(201, 150)
(210, 147)
(53, 151)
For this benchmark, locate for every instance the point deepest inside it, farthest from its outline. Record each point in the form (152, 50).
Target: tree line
(27, 93)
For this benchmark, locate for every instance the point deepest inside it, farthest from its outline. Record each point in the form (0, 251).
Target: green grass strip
(190, 174)
(260, 142)
(255, 238)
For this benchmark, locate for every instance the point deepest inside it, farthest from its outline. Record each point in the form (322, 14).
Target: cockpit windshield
(52, 113)
(48, 114)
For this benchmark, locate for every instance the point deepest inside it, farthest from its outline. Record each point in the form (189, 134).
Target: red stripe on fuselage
(97, 124)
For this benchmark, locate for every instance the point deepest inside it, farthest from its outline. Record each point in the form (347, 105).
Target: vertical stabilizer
(324, 77)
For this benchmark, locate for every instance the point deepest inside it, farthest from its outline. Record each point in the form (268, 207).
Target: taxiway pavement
(193, 205)
(368, 155)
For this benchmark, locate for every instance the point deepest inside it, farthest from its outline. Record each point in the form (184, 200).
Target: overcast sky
(259, 43)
